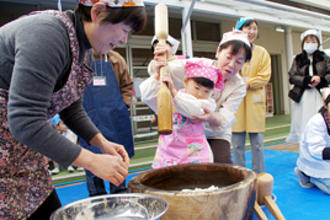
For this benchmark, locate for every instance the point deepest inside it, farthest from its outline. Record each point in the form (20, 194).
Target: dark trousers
(221, 150)
(47, 208)
(96, 186)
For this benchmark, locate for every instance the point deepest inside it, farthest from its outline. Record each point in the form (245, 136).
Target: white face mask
(310, 47)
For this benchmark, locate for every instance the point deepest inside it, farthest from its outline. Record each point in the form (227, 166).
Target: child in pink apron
(187, 143)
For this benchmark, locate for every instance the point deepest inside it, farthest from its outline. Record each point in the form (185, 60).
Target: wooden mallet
(264, 194)
(164, 98)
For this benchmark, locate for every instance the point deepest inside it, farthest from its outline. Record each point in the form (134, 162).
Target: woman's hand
(111, 166)
(109, 147)
(202, 118)
(116, 150)
(212, 118)
(315, 81)
(107, 167)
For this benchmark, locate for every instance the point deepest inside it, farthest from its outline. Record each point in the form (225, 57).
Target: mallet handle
(164, 98)
(273, 208)
(260, 214)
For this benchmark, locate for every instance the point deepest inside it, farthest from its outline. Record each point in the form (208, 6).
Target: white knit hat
(311, 32)
(235, 35)
(174, 43)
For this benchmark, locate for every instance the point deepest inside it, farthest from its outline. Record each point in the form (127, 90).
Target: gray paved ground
(291, 147)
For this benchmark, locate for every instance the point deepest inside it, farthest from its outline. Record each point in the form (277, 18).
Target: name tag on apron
(99, 81)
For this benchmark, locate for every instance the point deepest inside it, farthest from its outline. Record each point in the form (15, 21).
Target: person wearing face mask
(251, 114)
(308, 74)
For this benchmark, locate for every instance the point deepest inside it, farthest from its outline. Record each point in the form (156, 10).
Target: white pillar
(321, 40)
(186, 32)
(285, 78)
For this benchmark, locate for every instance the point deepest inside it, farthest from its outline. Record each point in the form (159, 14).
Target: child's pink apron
(186, 144)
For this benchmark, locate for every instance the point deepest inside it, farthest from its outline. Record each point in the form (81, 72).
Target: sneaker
(303, 179)
(56, 170)
(70, 169)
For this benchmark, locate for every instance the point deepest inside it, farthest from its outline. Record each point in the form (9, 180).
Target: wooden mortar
(233, 197)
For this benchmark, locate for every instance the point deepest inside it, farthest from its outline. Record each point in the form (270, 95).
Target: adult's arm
(42, 54)
(148, 90)
(297, 78)
(326, 78)
(315, 136)
(78, 121)
(227, 109)
(122, 75)
(189, 105)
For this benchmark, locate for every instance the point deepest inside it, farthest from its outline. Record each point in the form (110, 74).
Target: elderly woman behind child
(233, 51)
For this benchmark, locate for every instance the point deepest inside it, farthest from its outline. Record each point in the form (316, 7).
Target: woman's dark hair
(236, 45)
(247, 23)
(136, 17)
(203, 82)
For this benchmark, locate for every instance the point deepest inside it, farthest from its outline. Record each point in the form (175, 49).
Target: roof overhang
(264, 11)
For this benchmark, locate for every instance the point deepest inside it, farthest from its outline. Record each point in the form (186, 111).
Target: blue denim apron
(105, 107)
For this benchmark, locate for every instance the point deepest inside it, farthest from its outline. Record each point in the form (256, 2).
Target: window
(207, 31)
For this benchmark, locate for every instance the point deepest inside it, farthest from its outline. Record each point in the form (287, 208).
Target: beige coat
(252, 110)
